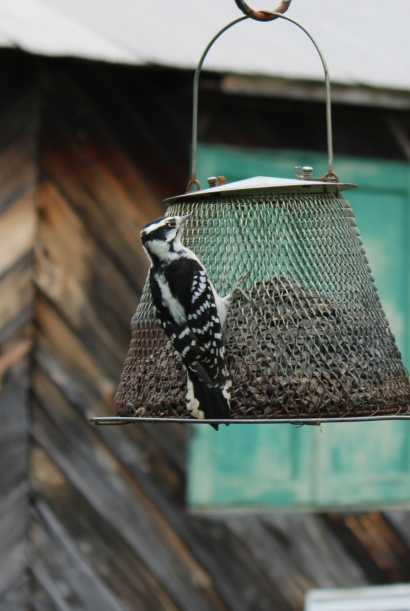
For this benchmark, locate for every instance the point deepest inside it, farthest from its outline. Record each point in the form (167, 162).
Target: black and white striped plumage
(191, 313)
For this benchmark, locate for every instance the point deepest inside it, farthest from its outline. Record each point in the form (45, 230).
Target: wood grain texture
(62, 570)
(18, 168)
(113, 200)
(303, 535)
(371, 537)
(111, 558)
(100, 480)
(87, 294)
(40, 600)
(14, 489)
(17, 597)
(18, 174)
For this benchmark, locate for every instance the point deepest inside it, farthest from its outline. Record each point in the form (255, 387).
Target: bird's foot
(238, 289)
(239, 281)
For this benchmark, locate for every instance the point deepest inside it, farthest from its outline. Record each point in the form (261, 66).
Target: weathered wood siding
(17, 232)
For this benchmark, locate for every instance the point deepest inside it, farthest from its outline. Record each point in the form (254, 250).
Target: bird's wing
(205, 325)
(198, 336)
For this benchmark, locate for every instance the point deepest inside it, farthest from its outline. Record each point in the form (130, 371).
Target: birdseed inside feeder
(306, 339)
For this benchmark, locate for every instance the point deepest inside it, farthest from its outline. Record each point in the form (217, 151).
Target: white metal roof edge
(174, 35)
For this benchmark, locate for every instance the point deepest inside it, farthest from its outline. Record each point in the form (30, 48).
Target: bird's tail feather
(213, 402)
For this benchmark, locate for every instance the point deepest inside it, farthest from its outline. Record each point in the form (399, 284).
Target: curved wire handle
(274, 15)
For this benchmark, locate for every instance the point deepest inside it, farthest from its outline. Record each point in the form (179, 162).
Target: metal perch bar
(109, 420)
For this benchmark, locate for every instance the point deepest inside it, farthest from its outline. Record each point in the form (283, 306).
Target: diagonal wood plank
(93, 193)
(111, 558)
(314, 550)
(13, 543)
(71, 110)
(62, 570)
(96, 299)
(155, 126)
(98, 479)
(13, 431)
(209, 550)
(18, 174)
(79, 186)
(17, 231)
(18, 597)
(14, 490)
(13, 355)
(18, 127)
(40, 599)
(16, 289)
(56, 341)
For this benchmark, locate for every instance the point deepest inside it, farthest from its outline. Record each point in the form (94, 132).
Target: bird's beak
(183, 219)
(181, 223)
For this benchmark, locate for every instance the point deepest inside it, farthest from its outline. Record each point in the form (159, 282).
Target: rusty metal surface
(307, 339)
(305, 174)
(262, 15)
(194, 181)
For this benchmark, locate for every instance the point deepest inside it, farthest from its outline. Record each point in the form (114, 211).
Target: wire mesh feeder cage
(306, 339)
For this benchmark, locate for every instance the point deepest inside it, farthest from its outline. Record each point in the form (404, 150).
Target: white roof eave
(363, 43)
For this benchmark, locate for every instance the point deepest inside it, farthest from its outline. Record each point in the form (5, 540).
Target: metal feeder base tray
(116, 420)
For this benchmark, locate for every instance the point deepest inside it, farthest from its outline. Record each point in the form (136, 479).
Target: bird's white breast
(175, 308)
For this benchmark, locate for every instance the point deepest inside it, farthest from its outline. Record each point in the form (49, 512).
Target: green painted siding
(246, 464)
(255, 467)
(284, 466)
(363, 463)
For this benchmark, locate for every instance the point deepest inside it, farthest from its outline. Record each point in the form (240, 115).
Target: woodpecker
(192, 315)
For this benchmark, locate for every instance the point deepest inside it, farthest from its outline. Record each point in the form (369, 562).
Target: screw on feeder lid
(304, 173)
(216, 181)
(212, 181)
(307, 172)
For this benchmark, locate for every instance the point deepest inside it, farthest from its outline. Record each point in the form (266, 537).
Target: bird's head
(162, 236)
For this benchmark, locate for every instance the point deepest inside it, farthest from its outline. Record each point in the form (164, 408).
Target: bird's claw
(237, 287)
(239, 281)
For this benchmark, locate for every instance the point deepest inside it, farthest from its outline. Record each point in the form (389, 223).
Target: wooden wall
(18, 172)
(95, 518)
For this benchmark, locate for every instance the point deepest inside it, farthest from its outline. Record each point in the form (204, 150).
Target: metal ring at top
(262, 15)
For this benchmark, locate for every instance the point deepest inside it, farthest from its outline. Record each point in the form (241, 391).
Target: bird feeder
(306, 337)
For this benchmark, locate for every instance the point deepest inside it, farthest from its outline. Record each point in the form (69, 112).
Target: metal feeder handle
(259, 16)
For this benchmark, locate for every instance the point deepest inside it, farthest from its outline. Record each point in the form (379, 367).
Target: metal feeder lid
(266, 184)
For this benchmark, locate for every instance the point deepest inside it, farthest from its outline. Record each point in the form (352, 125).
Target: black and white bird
(192, 315)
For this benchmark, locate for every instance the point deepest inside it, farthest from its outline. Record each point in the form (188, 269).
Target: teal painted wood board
(260, 467)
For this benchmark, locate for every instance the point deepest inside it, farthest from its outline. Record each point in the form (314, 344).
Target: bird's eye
(172, 224)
